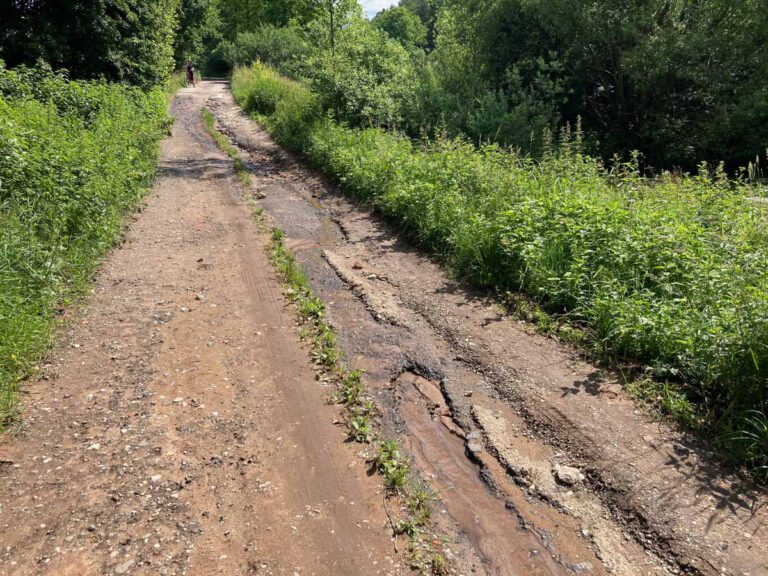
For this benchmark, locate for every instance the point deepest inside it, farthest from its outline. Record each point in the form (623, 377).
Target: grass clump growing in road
(393, 465)
(74, 158)
(671, 272)
(223, 143)
(360, 410)
(310, 308)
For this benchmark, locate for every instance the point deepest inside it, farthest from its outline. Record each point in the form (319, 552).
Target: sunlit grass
(74, 157)
(671, 272)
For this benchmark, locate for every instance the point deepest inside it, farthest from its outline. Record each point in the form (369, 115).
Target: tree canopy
(126, 40)
(402, 25)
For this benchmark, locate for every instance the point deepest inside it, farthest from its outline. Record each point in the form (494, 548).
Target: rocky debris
(474, 442)
(582, 568)
(567, 475)
(124, 567)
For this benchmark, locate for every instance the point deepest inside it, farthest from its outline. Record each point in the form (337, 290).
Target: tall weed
(74, 157)
(672, 272)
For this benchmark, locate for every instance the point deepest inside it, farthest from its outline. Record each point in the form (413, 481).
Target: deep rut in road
(541, 461)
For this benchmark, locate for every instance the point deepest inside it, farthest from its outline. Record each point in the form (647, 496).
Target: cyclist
(190, 74)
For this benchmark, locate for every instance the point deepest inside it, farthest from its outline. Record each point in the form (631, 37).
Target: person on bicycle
(190, 74)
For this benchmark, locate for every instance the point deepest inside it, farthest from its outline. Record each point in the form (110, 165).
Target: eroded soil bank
(490, 408)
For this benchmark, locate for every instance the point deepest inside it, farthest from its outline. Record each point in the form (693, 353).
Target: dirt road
(179, 427)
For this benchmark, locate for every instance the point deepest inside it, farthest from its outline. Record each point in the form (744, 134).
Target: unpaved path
(179, 427)
(490, 408)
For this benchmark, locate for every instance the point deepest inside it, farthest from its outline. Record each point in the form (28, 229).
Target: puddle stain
(507, 548)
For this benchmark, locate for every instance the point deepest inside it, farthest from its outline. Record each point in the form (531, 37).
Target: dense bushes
(285, 49)
(368, 79)
(113, 39)
(672, 272)
(680, 81)
(74, 156)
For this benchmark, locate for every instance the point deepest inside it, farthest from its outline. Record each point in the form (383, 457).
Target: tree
(125, 40)
(427, 11)
(247, 15)
(198, 31)
(367, 80)
(402, 25)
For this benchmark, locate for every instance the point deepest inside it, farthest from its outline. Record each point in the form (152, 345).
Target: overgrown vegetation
(680, 81)
(112, 39)
(671, 272)
(210, 124)
(74, 157)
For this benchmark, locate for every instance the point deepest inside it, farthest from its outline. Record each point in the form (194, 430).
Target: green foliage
(74, 157)
(113, 39)
(285, 49)
(247, 15)
(198, 31)
(402, 25)
(367, 79)
(671, 271)
(427, 11)
(289, 105)
(393, 465)
(681, 81)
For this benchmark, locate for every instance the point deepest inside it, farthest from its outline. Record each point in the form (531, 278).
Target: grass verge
(670, 274)
(75, 157)
(223, 142)
(175, 83)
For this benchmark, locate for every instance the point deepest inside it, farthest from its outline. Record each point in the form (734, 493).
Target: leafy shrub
(402, 25)
(74, 156)
(672, 271)
(367, 80)
(113, 39)
(285, 49)
(289, 105)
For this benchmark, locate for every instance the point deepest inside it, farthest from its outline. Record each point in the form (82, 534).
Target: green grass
(359, 409)
(176, 82)
(671, 273)
(223, 143)
(74, 158)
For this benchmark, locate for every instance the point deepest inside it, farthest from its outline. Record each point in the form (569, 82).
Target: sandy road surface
(179, 428)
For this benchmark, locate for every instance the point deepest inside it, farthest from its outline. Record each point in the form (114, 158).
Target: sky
(371, 7)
